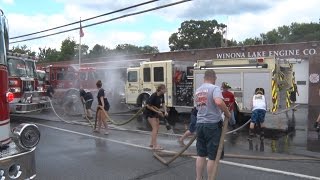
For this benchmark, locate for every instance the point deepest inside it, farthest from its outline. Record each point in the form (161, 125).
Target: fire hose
(119, 123)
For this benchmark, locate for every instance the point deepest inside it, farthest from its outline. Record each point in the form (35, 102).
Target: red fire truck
(67, 80)
(17, 157)
(24, 84)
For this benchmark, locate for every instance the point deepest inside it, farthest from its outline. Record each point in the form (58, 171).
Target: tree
(197, 34)
(48, 54)
(98, 51)
(23, 50)
(68, 47)
(149, 49)
(84, 50)
(296, 32)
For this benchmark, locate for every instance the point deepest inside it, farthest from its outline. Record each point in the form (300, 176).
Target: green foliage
(68, 49)
(296, 32)
(197, 35)
(48, 54)
(23, 50)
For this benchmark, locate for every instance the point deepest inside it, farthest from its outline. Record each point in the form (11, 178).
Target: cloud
(161, 40)
(8, 1)
(248, 25)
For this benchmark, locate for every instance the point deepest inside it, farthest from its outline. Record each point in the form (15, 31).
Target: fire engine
(244, 75)
(67, 80)
(17, 154)
(24, 84)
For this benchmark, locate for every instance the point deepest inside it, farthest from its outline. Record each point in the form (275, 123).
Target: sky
(244, 18)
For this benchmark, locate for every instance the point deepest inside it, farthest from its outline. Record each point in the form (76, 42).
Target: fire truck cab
(24, 84)
(17, 147)
(67, 80)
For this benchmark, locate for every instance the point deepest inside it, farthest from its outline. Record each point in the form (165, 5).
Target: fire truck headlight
(27, 136)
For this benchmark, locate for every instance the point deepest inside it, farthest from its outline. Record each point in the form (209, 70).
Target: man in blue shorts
(210, 105)
(192, 126)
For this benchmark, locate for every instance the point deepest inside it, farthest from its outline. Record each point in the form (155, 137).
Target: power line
(113, 12)
(112, 19)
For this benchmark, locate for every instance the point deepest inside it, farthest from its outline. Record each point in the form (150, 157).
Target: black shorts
(88, 103)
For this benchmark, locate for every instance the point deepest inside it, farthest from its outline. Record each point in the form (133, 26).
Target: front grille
(27, 86)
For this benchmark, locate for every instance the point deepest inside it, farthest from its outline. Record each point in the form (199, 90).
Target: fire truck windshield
(21, 68)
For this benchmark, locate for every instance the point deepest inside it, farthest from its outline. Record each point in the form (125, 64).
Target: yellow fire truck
(244, 75)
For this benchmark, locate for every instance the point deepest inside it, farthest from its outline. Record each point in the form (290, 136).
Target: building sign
(276, 53)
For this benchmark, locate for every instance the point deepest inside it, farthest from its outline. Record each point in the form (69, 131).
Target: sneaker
(181, 143)
(106, 133)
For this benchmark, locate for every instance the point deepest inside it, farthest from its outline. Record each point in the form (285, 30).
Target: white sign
(277, 53)
(314, 78)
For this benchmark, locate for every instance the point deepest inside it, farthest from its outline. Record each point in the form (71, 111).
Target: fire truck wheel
(144, 100)
(72, 103)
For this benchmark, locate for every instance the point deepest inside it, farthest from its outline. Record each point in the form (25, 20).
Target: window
(60, 76)
(146, 75)
(133, 76)
(91, 76)
(83, 76)
(158, 74)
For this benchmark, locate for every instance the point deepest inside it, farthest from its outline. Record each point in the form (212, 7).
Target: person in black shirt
(152, 112)
(87, 99)
(50, 90)
(103, 103)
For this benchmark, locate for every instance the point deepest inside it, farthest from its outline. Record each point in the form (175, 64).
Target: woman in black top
(154, 103)
(102, 104)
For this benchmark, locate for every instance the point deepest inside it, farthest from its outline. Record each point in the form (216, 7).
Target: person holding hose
(103, 104)
(153, 113)
(87, 99)
(210, 105)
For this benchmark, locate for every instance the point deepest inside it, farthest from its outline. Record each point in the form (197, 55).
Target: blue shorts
(208, 138)
(258, 116)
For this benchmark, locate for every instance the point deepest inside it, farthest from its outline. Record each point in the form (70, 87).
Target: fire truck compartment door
(132, 86)
(253, 80)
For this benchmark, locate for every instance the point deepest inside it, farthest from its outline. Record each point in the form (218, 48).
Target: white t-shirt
(259, 102)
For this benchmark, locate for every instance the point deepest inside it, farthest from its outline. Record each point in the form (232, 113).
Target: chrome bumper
(17, 164)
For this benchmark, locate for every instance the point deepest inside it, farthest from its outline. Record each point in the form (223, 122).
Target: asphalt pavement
(68, 151)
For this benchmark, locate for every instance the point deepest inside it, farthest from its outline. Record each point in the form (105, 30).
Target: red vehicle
(66, 81)
(17, 157)
(24, 84)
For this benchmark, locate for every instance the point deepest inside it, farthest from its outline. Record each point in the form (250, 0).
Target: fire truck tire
(72, 100)
(143, 100)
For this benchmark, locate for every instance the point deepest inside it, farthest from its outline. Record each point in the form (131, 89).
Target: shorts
(208, 138)
(193, 122)
(88, 103)
(258, 116)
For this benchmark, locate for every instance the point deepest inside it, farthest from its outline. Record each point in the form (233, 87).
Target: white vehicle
(182, 78)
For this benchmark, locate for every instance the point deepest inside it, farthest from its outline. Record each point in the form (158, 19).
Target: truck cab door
(157, 73)
(132, 85)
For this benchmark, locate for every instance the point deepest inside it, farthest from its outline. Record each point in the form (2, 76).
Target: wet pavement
(68, 151)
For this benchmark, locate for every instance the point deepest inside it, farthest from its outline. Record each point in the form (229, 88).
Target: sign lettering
(276, 53)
